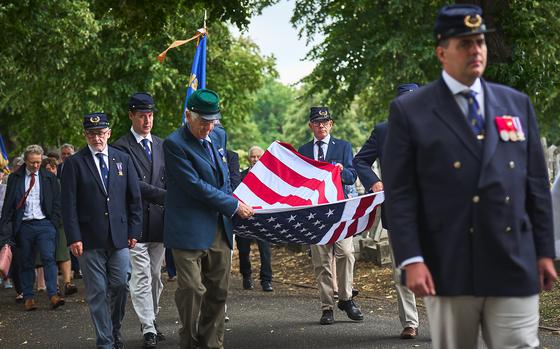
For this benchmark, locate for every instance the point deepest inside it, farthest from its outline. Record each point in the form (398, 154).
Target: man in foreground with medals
(468, 196)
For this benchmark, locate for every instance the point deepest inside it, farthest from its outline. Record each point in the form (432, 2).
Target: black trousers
(244, 247)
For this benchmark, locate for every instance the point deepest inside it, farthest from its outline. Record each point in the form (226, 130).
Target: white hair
(33, 149)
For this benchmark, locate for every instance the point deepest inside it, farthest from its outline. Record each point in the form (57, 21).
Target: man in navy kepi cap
(146, 258)
(468, 197)
(199, 206)
(326, 148)
(363, 161)
(102, 215)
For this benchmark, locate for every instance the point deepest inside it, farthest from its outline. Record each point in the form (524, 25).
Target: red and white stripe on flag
(357, 217)
(285, 178)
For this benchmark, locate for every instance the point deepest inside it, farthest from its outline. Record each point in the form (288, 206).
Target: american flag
(285, 178)
(316, 224)
(300, 200)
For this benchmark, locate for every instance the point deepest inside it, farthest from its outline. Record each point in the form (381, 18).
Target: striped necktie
(474, 115)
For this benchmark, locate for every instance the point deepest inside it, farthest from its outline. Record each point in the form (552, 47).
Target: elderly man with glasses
(326, 148)
(102, 214)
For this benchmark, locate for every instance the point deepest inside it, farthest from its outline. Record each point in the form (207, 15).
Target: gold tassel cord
(200, 33)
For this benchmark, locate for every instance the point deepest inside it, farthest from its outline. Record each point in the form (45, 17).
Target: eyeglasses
(320, 122)
(100, 134)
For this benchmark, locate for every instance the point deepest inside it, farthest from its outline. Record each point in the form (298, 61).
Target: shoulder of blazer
(340, 142)
(156, 139)
(112, 151)
(306, 145)
(125, 142)
(500, 90)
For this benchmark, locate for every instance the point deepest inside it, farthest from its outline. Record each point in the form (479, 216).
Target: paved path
(286, 318)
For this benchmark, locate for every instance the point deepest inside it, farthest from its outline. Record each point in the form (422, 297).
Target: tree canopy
(372, 46)
(64, 58)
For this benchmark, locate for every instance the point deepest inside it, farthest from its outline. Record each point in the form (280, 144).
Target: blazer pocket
(526, 224)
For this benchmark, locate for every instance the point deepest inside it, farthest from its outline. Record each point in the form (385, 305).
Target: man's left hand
(131, 243)
(547, 273)
(340, 166)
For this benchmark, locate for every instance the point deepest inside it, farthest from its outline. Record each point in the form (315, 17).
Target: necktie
(146, 146)
(24, 198)
(104, 170)
(474, 115)
(320, 154)
(208, 149)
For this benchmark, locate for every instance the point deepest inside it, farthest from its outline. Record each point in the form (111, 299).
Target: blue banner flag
(3, 153)
(198, 72)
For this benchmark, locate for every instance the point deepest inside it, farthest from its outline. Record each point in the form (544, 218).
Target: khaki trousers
(505, 322)
(406, 301)
(202, 287)
(322, 255)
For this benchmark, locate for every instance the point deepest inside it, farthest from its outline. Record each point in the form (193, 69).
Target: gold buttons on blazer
(508, 229)
(511, 164)
(471, 230)
(476, 199)
(457, 164)
(507, 199)
(106, 213)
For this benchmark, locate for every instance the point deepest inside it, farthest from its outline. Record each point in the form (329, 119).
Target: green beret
(206, 103)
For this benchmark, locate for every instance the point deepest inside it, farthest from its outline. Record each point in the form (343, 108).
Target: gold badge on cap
(473, 22)
(94, 119)
(323, 112)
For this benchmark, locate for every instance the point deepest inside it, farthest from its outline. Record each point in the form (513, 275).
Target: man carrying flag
(338, 152)
(198, 228)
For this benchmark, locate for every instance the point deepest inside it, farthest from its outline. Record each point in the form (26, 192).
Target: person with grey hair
(66, 151)
(244, 244)
(32, 209)
(16, 163)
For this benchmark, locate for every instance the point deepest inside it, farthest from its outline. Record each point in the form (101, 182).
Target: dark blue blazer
(338, 151)
(10, 222)
(364, 159)
(151, 177)
(100, 219)
(371, 151)
(198, 191)
(478, 212)
(233, 168)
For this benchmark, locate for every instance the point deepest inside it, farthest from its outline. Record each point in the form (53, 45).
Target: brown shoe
(29, 304)
(409, 333)
(57, 301)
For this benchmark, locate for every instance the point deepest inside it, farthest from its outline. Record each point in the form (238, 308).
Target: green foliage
(282, 113)
(372, 46)
(64, 58)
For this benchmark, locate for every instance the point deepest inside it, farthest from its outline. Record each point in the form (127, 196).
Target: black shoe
(159, 336)
(327, 318)
(70, 289)
(78, 275)
(267, 286)
(355, 293)
(248, 283)
(118, 342)
(150, 340)
(351, 310)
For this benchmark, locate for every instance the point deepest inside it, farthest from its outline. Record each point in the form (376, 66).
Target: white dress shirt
(32, 208)
(105, 153)
(456, 88)
(139, 139)
(324, 146)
